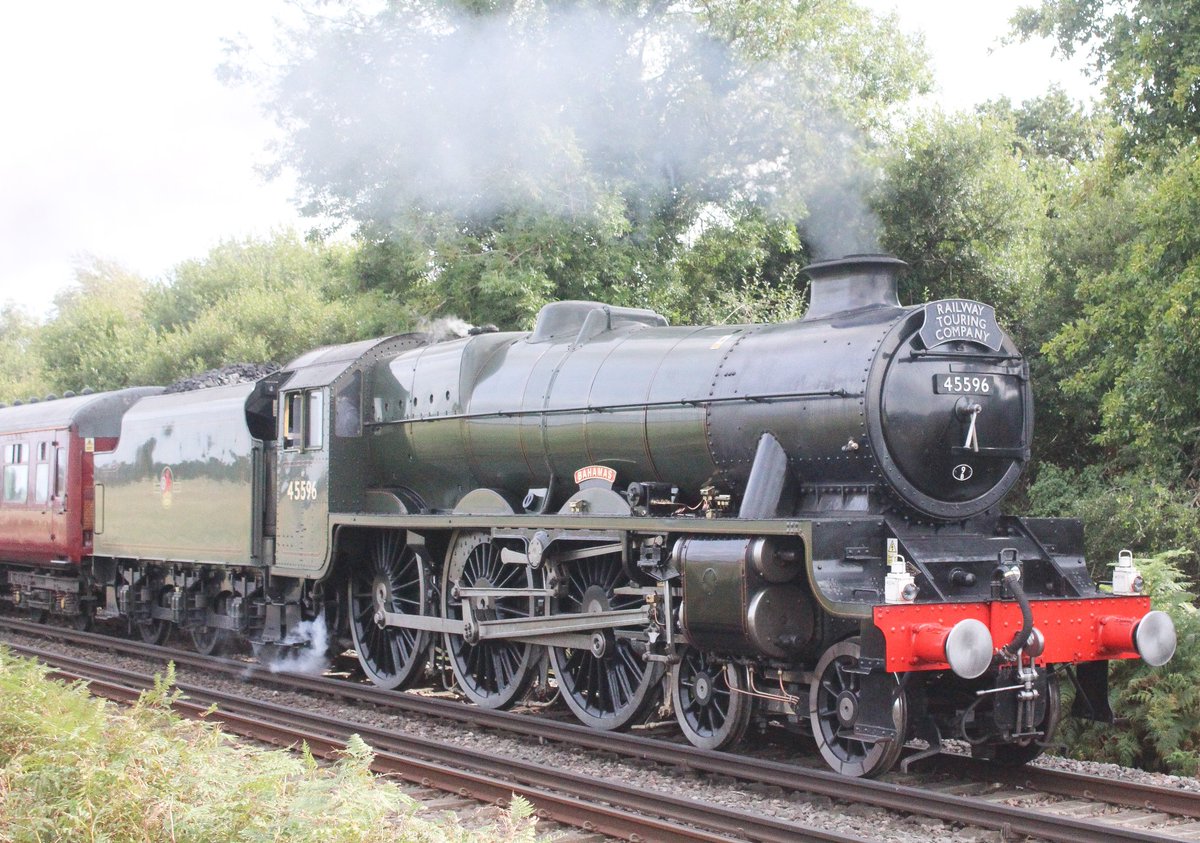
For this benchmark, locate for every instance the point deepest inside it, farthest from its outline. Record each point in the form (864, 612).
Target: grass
(76, 768)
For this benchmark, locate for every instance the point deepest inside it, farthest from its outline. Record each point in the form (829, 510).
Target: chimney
(852, 282)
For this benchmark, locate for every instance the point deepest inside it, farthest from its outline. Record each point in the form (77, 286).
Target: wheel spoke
(710, 714)
(492, 673)
(617, 689)
(392, 657)
(836, 682)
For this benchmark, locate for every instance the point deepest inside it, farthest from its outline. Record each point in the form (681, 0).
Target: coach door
(302, 482)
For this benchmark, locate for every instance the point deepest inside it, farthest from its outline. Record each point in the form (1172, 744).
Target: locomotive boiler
(856, 410)
(794, 522)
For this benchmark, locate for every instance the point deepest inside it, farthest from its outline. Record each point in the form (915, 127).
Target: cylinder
(738, 596)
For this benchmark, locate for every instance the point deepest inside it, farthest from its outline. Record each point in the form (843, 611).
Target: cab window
(347, 411)
(314, 420)
(293, 415)
(16, 473)
(304, 419)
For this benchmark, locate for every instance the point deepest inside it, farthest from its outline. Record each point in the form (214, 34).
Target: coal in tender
(224, 376)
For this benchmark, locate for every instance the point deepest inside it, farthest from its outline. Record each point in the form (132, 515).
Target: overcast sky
(118, 140)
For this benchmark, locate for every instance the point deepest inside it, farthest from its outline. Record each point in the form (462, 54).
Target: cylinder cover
(738, 596)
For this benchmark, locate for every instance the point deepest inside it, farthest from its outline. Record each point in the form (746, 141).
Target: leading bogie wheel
(833, 702)
(607, 685)
(393, 579)
(710, 700)
(493, 673)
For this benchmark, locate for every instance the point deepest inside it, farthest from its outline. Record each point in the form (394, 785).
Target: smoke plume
(579, 112)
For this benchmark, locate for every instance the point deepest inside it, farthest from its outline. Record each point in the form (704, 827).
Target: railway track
(1033, 802)
(585, 802)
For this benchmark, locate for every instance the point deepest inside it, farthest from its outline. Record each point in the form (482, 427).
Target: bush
(1135, 511)
(1158, 707)
(77, 768)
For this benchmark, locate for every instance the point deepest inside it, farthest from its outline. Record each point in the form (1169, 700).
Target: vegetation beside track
(73, 767)
(1159, 708)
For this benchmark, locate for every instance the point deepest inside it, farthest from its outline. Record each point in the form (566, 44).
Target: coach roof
(95, 415)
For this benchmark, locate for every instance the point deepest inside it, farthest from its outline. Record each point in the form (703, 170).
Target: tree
(98, 336)
(495, 156)
(956, 204)
(1060, 147)
(1137, 342)
(260, 301)
(1051, 128)
(21, 373)
(247, 301)
(281, 261)
(1147, 52)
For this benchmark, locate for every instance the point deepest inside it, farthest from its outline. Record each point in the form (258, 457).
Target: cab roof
(322, 366)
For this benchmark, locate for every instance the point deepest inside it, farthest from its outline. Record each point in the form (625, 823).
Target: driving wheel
(394, 579)
(493, 673)
(607, 685)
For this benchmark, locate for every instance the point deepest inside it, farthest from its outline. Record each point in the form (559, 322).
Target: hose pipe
(1012, 578)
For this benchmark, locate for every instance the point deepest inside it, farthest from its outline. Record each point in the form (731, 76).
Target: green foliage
(957, 205)
(246, 301)
(1147, 52)
(1128, 510)
(1083, 234)
(74, 768)
(483, 186)
(280, 263)
(1051, 127)
(99, 336)
(876, 69)
(21, 375)
(743, 268)
(1159, 706)
(1136, 342)
(261, 301)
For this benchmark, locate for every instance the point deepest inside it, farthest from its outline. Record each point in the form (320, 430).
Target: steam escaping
(580, 112)
(446, 328)
(305, 650)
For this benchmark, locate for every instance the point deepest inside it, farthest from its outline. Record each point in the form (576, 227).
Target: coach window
(41, 474)
(16, 473)
(60, 473)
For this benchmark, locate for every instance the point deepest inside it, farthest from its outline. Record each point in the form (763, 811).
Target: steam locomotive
(795, 522)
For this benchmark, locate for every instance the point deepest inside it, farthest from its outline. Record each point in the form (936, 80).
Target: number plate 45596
(951, 384)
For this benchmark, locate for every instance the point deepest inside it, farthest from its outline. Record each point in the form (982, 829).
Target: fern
(1159, 707)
